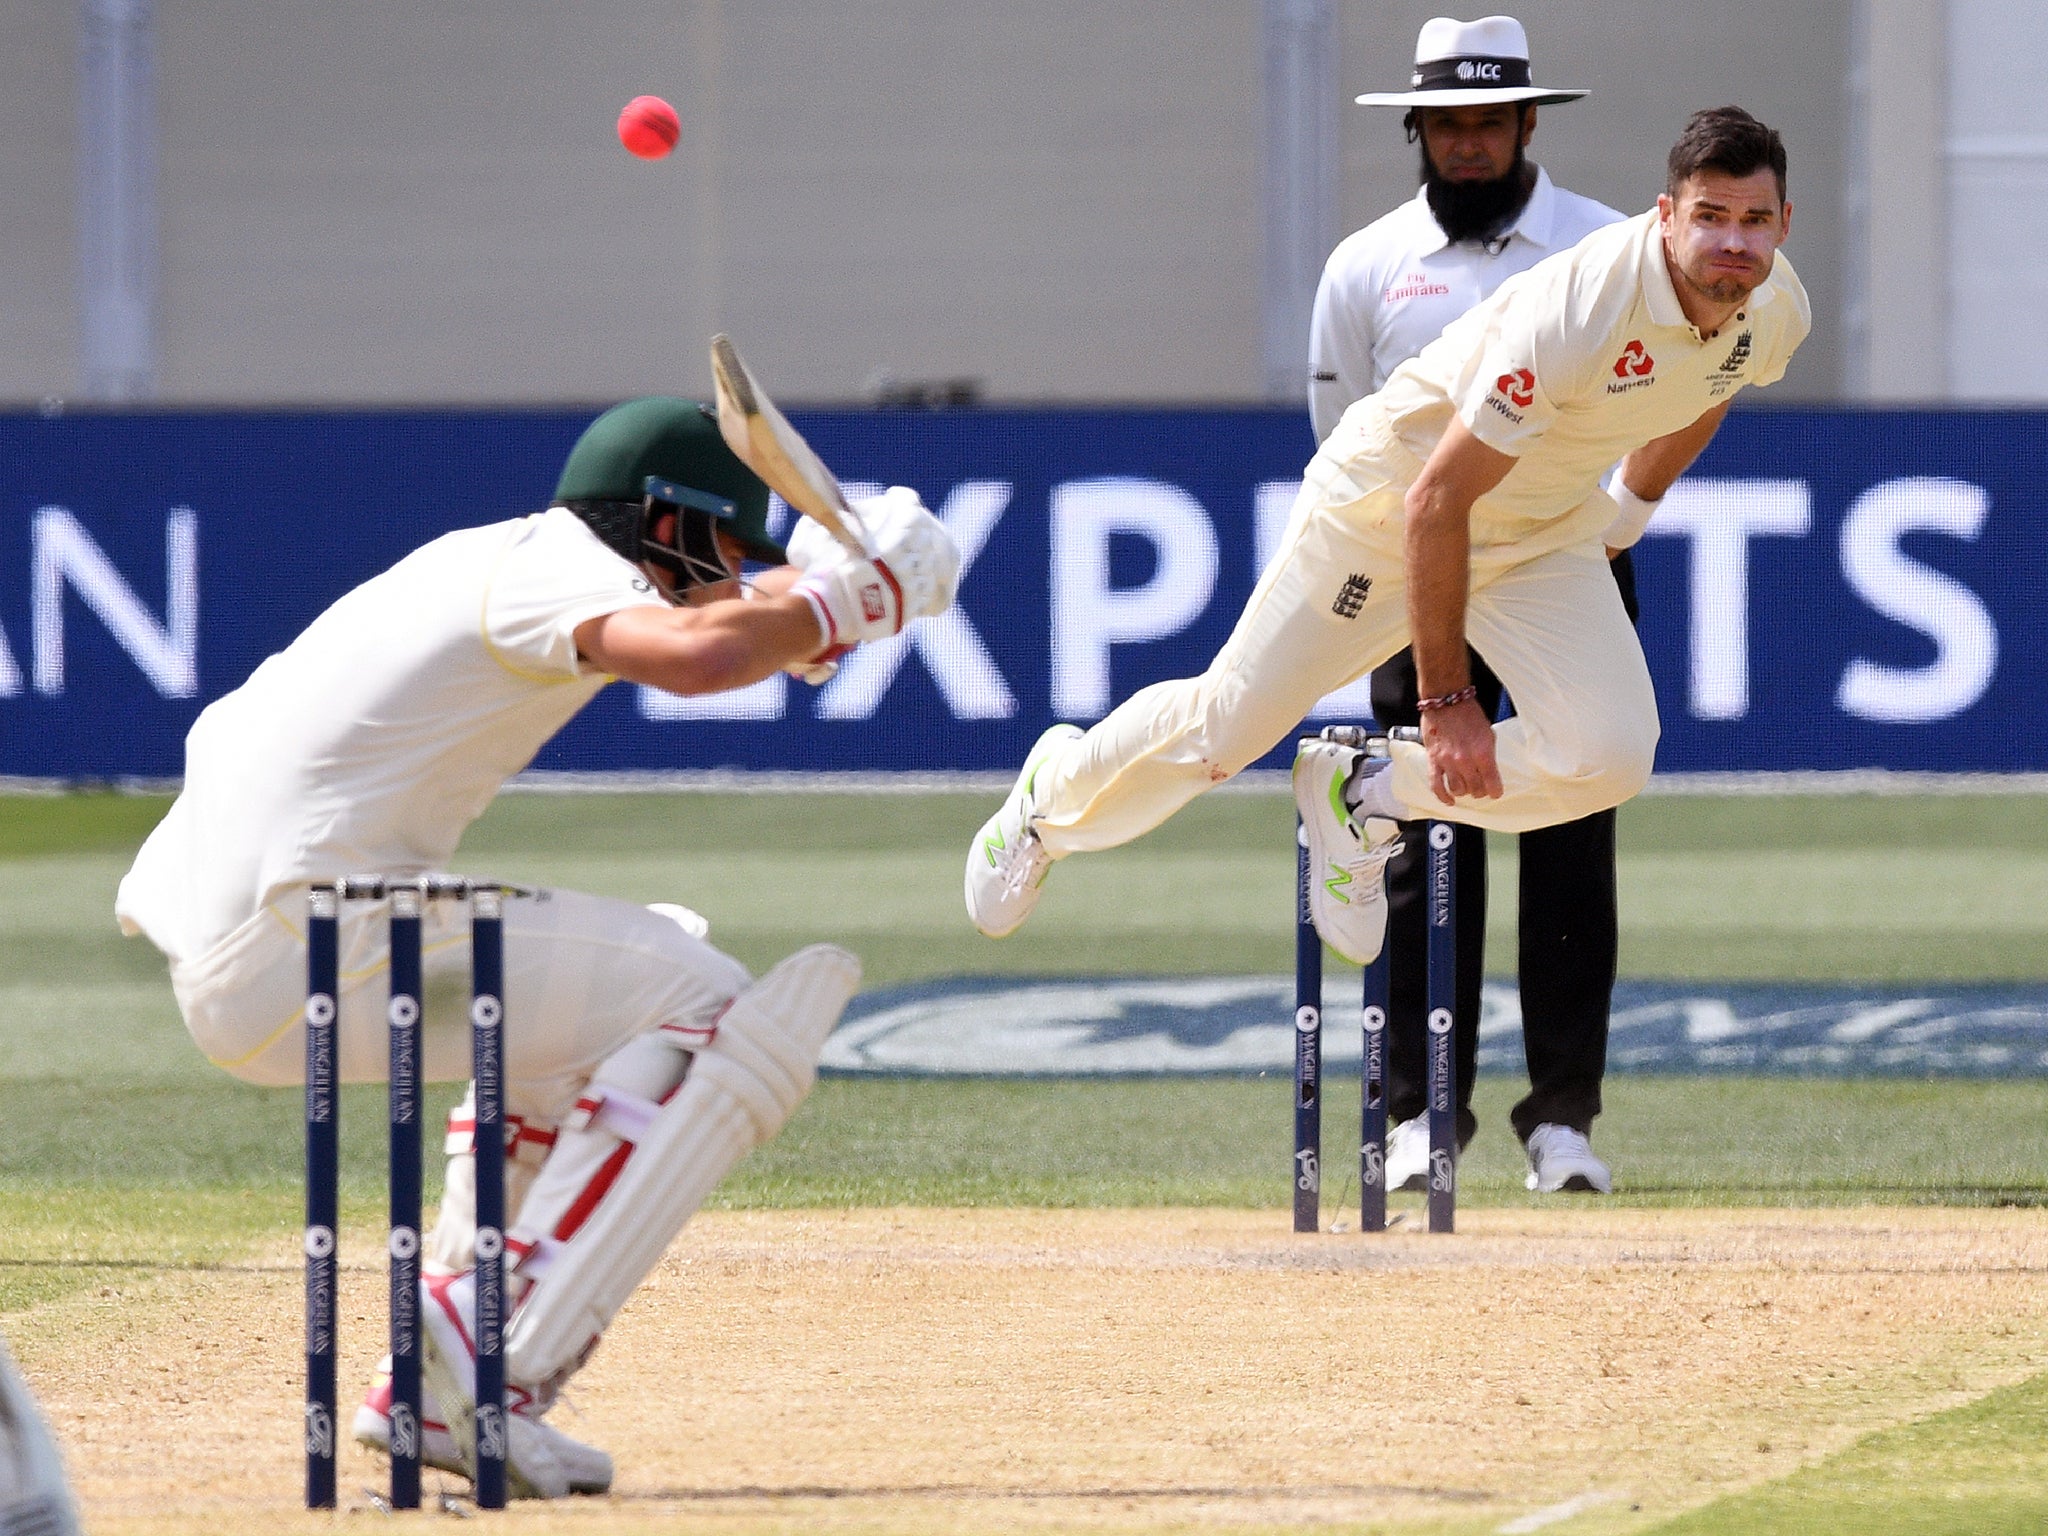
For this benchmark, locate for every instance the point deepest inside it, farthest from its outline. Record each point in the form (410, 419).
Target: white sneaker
(373, 1424)
(1347, 862)
(1007, 864)
(1408, 1154)
(1561, 1158)
(540, 1461)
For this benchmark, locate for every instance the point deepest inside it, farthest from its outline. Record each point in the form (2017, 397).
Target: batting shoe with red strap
(540, 1461)
(1347, 854)
(373, 1424)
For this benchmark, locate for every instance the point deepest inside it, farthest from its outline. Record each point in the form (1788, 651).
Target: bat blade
(762, 438)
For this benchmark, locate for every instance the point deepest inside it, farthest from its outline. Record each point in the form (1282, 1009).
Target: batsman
(377, 736)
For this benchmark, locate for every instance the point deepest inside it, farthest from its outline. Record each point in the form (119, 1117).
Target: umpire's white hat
(1470, 64)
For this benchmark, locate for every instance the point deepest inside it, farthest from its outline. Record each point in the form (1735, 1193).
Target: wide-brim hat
(1470, 64)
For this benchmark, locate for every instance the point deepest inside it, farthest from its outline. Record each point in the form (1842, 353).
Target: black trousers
(1569, 933)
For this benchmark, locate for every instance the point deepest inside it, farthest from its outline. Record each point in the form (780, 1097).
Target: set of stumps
(406, 900)
(1308, 1044)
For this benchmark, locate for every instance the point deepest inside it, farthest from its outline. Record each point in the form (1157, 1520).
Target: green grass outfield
(125, 1151)
(1978, 1470)
(102, 1090)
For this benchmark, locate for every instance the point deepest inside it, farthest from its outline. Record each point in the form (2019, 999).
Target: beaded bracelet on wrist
(1448, 700)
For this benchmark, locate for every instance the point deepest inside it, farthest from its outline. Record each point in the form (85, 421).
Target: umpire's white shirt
(1389, 290)
(370, 742)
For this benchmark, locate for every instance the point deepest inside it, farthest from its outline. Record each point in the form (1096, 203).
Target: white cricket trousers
(583, 975)
(1551, 625)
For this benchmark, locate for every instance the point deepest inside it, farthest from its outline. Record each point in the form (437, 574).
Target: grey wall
(1996, 216)
(1649, 65)
(38, 246)
(422, 200)
(1061, 200)
(425, 200)
(1895, 328)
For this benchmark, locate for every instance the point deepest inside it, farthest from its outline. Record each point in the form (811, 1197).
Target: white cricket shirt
(1389, 289)
(1569, 367)
(369, 743)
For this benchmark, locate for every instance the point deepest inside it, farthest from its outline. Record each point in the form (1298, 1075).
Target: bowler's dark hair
(1728, 140)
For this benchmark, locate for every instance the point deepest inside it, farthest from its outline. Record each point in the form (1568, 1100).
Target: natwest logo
(1518, 387)
(1634, 362)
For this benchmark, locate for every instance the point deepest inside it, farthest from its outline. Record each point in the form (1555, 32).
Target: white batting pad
(740, 1090)
(451, 1245)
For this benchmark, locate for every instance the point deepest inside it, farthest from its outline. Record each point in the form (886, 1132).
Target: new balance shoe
(1561, 1158)
(1347, 858)
(540, 1461)
(1408, 1154)
(373, 1424)
(1007, 864)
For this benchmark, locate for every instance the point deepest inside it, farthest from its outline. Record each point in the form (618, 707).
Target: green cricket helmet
(655, 455)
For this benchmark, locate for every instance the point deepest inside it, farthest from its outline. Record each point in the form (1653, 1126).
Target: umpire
(1484, 213)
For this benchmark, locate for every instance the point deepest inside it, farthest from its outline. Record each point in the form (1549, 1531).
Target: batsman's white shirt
(1389, 289)
(376, 737)
(368, 745)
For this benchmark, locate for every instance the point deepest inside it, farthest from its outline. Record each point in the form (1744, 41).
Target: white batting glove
(914, 576)
(917, 547)
(810, 546)
(884, 517)
(853, 601)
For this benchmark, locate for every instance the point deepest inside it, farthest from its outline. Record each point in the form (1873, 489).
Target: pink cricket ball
(649, 127)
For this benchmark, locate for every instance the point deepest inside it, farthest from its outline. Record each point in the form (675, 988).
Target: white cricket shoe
(540, 1461)
(1347, 861)
(1007, 864)
(1408, 1154)
(373, 1424)
(1561, 1158)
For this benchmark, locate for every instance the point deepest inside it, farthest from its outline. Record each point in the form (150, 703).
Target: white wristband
(1631, 518)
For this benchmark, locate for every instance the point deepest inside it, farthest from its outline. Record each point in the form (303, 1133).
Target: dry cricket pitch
(1023, 1370)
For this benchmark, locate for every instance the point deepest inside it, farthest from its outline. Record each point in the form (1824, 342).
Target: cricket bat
(762, 438)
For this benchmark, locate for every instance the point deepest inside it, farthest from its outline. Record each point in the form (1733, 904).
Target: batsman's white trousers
(1330, 607)
(583, 975)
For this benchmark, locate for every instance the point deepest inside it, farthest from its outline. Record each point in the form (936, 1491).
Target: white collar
(1535, 223)
(1659, 296)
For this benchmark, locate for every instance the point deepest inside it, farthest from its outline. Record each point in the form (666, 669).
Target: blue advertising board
(1825, 590)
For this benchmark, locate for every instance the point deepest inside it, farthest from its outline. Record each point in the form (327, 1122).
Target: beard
(1477, 210)
(1723, 287)
(1728, 289)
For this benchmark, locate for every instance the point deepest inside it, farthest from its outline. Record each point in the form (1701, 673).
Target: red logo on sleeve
(1518, 387)
(1634, 362)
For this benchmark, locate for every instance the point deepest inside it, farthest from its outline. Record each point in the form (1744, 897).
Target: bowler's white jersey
(369, 743)
(1569, 367)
